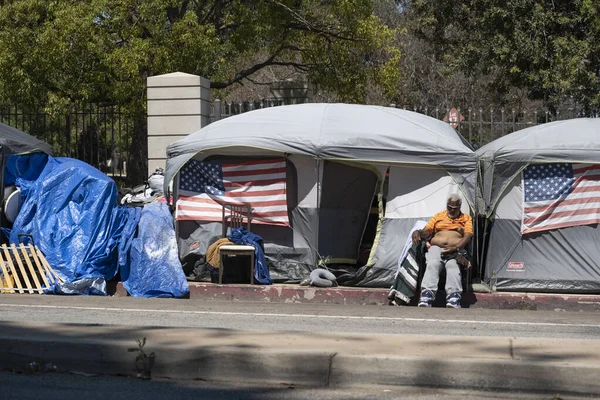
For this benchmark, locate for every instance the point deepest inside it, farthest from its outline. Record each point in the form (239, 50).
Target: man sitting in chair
(450, 231)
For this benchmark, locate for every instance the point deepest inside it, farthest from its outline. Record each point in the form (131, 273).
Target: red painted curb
(284, 293)
(533, 301)
(288, 294)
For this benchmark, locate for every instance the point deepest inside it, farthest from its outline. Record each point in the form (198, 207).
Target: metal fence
(98, 134)
(223, 109)
(478, 126)
(101, 135)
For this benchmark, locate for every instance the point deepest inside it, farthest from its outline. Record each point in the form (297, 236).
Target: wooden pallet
(25, 270)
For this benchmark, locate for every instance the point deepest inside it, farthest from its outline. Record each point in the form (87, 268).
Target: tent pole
(173, 204)
(318, 169)
(484, 239)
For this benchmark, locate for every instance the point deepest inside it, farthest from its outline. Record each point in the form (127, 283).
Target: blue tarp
(261, 271)
(27, 167)
(70, 212)
(155, 269)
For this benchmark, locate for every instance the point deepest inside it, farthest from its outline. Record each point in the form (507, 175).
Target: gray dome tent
(564, 259)
(338, 156)
(13, 141)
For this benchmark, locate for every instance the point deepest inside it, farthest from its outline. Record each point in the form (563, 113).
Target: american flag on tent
(205, 186)
(560, 195)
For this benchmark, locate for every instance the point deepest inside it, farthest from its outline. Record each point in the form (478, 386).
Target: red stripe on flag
(256, 182)
(254, 204)
(268, 203)
(269, 171)
(203, 200)
(185, 207)
(584, 189)
(562, 225)
(561, 214)
(556, 204)
(238, 193)
(255, 162)
(581, 170)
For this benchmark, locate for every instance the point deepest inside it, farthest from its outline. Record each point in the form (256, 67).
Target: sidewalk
(285, 293)
(318, 360)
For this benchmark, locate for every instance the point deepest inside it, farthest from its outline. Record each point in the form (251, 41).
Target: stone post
(178, 104)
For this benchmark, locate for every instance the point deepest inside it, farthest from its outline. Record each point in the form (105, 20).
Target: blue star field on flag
(547, 181)
(202, 177)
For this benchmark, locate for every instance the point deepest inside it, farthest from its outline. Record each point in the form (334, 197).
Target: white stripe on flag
(251, 178)
(250, 189)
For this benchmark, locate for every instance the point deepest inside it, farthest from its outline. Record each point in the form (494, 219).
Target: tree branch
(305, 25)
(213, 14)
(326, 33)
(272, 60)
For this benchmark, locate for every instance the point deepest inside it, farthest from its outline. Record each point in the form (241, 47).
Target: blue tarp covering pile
(70, 211)
(155, 269)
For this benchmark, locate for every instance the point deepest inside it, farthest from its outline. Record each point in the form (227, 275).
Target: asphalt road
(51, 386)
(356, 346)
(297, 317)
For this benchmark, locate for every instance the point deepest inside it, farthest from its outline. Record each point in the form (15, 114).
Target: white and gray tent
(566, 259)
(338, 157)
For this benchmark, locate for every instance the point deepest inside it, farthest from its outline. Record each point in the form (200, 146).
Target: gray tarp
(560, 260)
(17, 142)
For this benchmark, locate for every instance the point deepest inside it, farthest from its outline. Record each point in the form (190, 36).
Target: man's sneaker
(427, 297)
(453, 300)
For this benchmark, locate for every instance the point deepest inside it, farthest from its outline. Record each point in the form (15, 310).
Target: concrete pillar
(292, 92)
(178, 104)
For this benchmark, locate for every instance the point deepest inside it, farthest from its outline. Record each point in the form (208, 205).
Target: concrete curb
(172, 362)
(282, 293)
(565, 366)
(509, 375)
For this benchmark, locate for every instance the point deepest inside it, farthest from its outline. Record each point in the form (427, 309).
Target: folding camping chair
(465, 272)
(236, 216)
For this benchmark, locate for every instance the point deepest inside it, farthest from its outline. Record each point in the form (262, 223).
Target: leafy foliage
(55, 52)
(549, 48)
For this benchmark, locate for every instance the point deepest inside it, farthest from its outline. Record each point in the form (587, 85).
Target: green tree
(52, 52)
(55, 53)
(549, 48)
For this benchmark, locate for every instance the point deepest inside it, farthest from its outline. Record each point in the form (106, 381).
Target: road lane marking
(347, 317)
